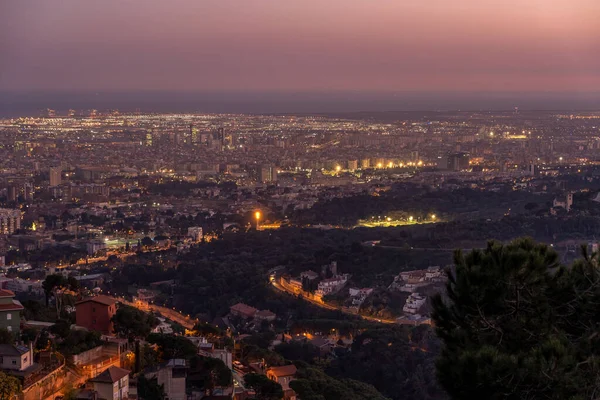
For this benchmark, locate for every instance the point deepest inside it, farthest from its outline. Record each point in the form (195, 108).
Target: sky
(300, 45)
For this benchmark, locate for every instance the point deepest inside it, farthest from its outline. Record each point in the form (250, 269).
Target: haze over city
(479, 51)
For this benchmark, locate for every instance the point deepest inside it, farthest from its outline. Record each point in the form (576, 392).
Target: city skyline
(309, 46)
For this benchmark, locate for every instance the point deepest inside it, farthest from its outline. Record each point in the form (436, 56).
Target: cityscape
(268, 204)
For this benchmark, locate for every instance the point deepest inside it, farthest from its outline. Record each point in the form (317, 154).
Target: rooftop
(108, 301)
(286, 370)
(111, 375)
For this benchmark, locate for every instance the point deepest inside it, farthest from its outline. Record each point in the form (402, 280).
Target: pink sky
(307, 45)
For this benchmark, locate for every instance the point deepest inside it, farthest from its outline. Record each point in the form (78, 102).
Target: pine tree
(515, 324)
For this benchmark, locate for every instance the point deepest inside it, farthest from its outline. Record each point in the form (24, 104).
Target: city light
(338, 168)
(410, 218)
(433, 217)
(379, 165)
(257, 216)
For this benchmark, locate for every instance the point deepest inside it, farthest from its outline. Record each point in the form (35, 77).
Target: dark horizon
(31, 103)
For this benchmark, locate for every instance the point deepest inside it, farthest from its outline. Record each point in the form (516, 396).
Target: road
(176, 316)
(282, 286)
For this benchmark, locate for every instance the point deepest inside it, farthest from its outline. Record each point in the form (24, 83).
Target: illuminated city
(299, 200)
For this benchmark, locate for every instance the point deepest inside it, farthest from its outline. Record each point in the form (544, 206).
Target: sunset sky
(300, 45)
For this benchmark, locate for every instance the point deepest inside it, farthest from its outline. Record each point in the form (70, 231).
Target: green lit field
(388, 222)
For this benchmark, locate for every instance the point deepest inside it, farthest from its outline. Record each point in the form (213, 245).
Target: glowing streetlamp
(410, 219)
(257, 216)
(433, 217)
(379, 165)
(390, 164)
(338, 168)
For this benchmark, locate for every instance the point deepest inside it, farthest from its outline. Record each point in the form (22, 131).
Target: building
(112, 384)
(267, 174)
(332, 285)
(15, 358)
(171, 375)
(195, 233)
(458, 161)
(10, 220)
(284, 375)
(243, 310)
(95, 314)
(563, 202)
(265, 315)
(94, 246)
(414, 302)
(10, 308)
(310, 275)
(55, 176)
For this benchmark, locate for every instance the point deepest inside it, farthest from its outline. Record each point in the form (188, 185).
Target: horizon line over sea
(14, 104)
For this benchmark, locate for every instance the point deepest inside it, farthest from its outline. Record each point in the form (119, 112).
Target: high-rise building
(194, 135)
(10, 220)
(267, 173)
(458, 161)
(55, 176)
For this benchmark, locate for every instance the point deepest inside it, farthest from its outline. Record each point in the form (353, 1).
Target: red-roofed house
(10, 308)
(284, 375)
(95, 313)
(243, 310)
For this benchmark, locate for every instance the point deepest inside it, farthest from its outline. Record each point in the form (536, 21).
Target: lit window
(9, 328)
(9, 316)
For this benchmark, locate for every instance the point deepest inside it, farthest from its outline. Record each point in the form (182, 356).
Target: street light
(410, 218)
(257, 216)
(433, 217)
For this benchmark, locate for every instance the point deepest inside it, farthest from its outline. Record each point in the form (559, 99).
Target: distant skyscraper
(55, 176)
(267, 173)
(10, 220)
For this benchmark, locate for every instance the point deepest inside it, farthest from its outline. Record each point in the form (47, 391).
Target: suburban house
(284, 375)
(310, 275)
(414, 302)
(112, 384)
(332, 285)
(171, 375)
(265, 315)
(15, 358)
(9, 312)
(95, 313)
(243, 310)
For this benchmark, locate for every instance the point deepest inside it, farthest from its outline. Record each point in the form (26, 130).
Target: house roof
(320, 341)
(243, 309)
(107, 301)
(286, 370)
(265, 314)
(12, 350)
(15, 305)
(111, 375)
(6, 293)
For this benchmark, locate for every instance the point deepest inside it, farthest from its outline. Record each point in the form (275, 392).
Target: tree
(149, 389)
(51, 283)
(6, 337)
(517, 325)
(132, 323)
(9, 386)
(147, 241)
(208, 373)
(265, 388)
(172, 346)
